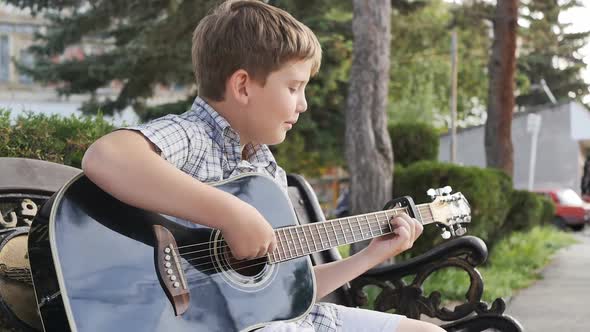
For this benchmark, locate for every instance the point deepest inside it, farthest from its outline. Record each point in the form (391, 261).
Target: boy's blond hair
(249, 35)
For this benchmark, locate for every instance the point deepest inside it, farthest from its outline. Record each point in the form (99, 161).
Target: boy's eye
(292, 90)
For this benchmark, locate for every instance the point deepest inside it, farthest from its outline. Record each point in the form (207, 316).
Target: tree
(502, 65)
(369, 154)
(420, 63)
(586, 177)
(145, 42)
(549, 53)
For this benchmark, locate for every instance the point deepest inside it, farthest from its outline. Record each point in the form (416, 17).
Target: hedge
(528, 210)
(52, 138)
(488, 191)
(414, 142)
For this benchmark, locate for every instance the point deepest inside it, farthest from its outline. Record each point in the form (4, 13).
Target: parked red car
(571, 210)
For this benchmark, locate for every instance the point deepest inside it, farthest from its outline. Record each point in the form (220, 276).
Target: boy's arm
(332, 275)
(126, 165)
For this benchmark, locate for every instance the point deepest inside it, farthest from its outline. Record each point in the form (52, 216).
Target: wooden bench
(25, 184)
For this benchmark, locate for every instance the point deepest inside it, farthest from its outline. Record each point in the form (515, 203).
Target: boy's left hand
(405, 231)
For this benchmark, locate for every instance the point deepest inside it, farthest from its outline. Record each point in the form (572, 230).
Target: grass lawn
(514, 263)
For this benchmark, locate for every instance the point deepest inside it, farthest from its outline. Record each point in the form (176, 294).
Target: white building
(563, 144)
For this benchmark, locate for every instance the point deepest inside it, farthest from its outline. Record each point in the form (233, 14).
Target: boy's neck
(231, 113)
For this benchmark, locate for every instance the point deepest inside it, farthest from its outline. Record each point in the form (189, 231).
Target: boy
(252, 62)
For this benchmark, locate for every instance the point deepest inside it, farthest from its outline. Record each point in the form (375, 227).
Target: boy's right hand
(248, 234)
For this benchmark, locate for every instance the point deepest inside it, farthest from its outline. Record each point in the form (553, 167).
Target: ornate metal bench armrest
(408, 299)
(472, 248)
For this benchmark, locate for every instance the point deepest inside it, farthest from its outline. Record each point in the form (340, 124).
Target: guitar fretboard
(297, 241)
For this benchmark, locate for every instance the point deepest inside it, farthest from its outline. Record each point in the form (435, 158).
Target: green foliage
(487, 190)
(514, 263)
(549, 52)
(421, 67)
(322, 126)
(52, 138)
(548, 210)
(293, 158)
(414, 141)
(144, 44)
(527, 211)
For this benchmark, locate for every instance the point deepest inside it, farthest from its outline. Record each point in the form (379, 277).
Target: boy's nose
(302, 105)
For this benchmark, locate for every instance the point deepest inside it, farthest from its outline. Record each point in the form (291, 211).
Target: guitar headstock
(450, 211)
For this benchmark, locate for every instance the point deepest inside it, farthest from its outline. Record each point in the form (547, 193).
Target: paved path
(561, 300)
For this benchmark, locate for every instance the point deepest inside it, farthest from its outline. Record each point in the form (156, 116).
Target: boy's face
(274, 108)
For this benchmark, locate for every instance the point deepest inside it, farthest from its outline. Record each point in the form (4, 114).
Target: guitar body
(94, 266)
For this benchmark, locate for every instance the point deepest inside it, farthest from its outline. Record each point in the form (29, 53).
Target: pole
(454, 95)
(533, 126)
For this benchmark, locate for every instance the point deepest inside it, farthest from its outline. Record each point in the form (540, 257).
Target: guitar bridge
(169, 270)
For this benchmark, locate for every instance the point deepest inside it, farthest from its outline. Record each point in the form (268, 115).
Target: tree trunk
(502, 65)
(369, 154)
(586, 177)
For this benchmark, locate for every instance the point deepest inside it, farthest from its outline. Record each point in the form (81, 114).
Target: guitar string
(194, 272)
(259, 258)
(350, 226)
(187, 275)
(424, 221)
(353, 228)
(301, 248)
(311, 247)
(425, 209)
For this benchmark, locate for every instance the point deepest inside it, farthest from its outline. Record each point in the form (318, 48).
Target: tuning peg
(461, 230)
(432, 193)
(446, 235)
(446, 190)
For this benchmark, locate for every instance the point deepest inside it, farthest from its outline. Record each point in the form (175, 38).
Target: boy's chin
(277, 140)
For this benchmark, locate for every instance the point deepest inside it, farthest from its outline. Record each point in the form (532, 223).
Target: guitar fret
(360, 227)
(300, 242)
(279, 244)
(370, 228)
(285, 242)
(420, 214)
(293, 242)
(350, 230)
(389, 222)
(317, 229)
(327, 235)
(306, 239)
(343, 232)
(335, 234)
(310, 227)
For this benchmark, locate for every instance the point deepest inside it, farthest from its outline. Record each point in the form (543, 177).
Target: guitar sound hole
(246, 267)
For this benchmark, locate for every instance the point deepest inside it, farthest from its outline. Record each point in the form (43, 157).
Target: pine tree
(550, 53)
(145, 42)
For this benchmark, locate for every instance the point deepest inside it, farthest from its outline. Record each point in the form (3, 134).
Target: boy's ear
(237, 85)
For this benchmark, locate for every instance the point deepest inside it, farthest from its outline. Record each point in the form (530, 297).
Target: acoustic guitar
(99, 264)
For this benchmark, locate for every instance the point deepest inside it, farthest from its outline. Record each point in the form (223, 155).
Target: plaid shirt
(202, 143)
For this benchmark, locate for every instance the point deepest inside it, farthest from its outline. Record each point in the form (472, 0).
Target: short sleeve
(176, 140)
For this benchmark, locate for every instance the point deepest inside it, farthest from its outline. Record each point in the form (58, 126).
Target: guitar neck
(302, 240)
